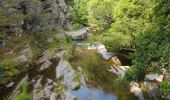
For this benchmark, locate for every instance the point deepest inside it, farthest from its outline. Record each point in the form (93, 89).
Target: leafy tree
(153, 48)
(131, 17)
(79, 10)
(100, 13)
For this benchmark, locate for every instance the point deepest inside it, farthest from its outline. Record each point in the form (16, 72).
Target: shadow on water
(100, 81)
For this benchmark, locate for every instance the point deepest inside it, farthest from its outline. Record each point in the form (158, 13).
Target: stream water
(100, 82)
(89, 93)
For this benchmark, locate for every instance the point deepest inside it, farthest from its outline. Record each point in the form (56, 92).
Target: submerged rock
(136, 90)
(101, 49)
(118, 70)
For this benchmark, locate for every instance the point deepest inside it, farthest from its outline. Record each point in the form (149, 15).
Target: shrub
(23, 92)
(65, 44)
(79, 10)
(165, 89)
(100, 13)
(8, 70)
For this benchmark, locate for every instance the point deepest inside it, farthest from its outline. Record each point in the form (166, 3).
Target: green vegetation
(76, 87)
(140, 25)
(23, 95)
(8, 70)
(79, 10)
(100, 13)
(165, 89)
(75, 98)
(58, 45)
(153, 48)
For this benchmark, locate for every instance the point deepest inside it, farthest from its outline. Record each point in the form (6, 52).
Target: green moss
(76, 87)
(75, 98)
(22, 96)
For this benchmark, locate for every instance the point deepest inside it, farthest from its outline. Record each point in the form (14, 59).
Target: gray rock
(21, 59)
(16, 91)
(65, 69)
(44, 15)
(134, 88)
(56, 15)
(59, 54)
(53, 96)
(67, 96)
(10, 84)
(168, 97)
(50, 40)
(27, 52)
(152, 89)
(44, 61)
(101, 49)
(80, 34)
(118, 70)
(156, 77)
(26, 56)
(44, 89)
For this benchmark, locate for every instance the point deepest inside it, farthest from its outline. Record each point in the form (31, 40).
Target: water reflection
(87, 93)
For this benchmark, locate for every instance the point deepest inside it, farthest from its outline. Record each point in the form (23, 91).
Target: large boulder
(43, 88)
(65, 70)
(152, 89)
(42, 15)
(55, 15)
(21, 59)
(134, 88)
(44, 61)
(25, 56)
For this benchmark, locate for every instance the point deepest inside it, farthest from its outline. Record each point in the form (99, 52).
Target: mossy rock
(76, 87)
(75, 98)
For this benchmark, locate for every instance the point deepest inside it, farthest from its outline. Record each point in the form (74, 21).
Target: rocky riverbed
(89, 75)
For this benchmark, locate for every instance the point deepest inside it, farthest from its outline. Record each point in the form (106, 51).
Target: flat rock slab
(152, 77)
(65, 69)
(77, 33)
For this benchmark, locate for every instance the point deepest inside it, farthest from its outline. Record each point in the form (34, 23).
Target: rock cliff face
(38, 15)
(48, 15)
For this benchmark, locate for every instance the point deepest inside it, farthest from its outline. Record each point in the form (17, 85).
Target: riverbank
(74, 69)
